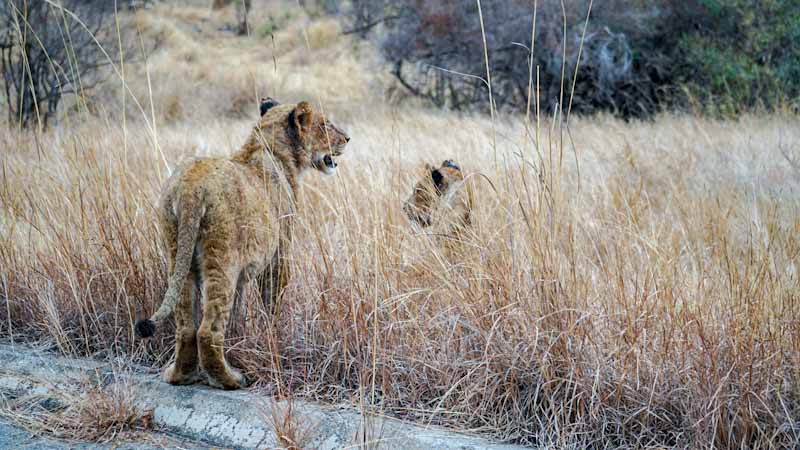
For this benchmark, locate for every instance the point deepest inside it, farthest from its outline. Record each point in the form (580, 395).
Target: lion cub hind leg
(185, 369)
(219, 287)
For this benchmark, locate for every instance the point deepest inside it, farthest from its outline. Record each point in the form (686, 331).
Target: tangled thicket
(635, 58)
(49, 50)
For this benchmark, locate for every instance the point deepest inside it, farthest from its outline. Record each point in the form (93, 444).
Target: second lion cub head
(441, 198)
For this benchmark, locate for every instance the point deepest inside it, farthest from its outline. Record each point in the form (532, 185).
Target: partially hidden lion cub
(442, 200)
(226, 220)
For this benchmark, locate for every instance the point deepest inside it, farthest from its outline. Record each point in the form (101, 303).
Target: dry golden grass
(625, 285)
(86, 411)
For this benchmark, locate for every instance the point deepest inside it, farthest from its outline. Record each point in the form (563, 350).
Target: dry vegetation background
(626, 285)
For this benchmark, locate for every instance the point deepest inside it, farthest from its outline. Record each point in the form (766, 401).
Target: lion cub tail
(188, 227)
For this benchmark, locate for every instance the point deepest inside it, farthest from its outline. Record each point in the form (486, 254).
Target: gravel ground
(13, 437)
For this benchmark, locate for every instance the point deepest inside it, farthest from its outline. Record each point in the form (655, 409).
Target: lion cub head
(300, 136)
(321, 139)
(440, 197)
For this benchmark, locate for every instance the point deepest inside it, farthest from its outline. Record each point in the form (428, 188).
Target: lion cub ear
(302, 115)
(437, 178)
(267, 103)
(450, 163)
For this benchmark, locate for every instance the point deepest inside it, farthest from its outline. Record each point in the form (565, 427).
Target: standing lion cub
(226, 220)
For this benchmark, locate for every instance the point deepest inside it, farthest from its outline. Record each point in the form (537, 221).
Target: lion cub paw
(232, 380)
(172, 376)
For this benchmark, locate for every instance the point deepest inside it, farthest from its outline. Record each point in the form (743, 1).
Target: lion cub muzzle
(326, 162)
(336, 140)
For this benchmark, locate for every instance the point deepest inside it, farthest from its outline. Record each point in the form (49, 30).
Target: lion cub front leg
(219, 288)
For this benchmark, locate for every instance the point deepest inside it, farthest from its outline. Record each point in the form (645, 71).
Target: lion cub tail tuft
(145, 328)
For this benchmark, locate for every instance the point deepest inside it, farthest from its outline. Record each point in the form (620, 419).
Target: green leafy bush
(743, 54)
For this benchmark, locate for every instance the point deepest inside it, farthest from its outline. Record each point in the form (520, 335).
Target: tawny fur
(442, 200)
(227, 220)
